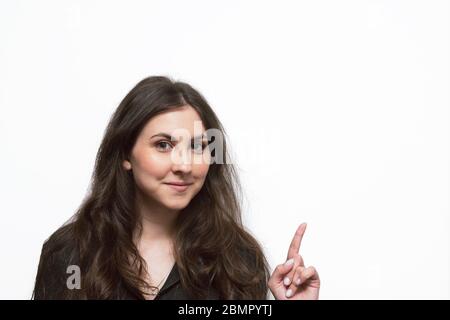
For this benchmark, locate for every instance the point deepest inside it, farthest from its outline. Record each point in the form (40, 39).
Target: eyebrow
(168, 136)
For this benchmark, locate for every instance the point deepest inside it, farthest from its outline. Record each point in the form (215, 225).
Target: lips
(179, 186)
(179, 183)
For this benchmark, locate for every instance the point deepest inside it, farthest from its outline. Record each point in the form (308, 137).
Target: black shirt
(51, 279)
(172, 289)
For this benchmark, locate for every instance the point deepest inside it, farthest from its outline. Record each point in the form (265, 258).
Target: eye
(199, 147)
(162, 145)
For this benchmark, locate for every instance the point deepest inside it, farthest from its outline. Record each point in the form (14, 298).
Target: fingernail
(298, 281)
(287, 281)
(289, 293)
(289, 262)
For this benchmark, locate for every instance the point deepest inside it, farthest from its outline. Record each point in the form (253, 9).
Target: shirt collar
(172, 279)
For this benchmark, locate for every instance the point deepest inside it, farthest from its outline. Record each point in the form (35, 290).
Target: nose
(181, 160)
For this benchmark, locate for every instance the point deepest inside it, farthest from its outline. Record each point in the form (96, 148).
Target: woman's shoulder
(57, 255)
(61, 243)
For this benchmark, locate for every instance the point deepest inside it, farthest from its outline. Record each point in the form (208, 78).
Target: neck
(158, 222)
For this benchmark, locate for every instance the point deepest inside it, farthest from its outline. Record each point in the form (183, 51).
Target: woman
(162, 219)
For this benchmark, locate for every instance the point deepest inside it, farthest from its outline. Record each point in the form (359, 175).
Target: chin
(177, 205)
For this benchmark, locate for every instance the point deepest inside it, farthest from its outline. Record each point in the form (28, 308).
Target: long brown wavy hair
(212, 247)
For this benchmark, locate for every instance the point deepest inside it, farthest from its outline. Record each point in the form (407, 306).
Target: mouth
(179, 186)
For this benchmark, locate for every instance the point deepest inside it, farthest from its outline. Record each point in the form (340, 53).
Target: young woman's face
(157, 162)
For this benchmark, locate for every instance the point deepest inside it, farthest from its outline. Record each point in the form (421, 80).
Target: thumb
(281, 270)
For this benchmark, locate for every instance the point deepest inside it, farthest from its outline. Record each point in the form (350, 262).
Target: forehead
(176, 122)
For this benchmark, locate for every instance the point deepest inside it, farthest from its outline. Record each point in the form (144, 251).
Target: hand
(292, 280)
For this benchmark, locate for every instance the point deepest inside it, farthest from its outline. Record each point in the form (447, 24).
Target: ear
(126, 164)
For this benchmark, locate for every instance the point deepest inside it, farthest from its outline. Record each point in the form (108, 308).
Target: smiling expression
(158, 163)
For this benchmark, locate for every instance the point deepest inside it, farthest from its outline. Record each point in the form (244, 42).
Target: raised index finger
(296, 241)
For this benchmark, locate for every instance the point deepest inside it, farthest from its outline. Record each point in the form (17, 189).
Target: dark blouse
(51, 279)
(172, 290)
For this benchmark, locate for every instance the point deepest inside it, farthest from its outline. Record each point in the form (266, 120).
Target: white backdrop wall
(337, 113)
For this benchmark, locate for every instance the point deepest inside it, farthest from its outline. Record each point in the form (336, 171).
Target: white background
(337, 113)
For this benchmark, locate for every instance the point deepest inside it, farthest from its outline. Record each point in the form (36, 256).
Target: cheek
(200, 171)
(151, 166)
